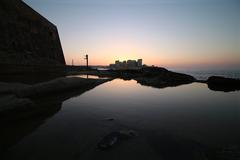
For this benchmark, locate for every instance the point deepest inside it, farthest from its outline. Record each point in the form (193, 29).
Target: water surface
(176, 122)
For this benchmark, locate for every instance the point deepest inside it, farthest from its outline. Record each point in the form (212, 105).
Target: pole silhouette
(86, 57)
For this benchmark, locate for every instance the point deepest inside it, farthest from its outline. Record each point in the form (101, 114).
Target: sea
(204, 74)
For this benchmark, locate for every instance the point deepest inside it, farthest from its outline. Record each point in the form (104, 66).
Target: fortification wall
(27, 38)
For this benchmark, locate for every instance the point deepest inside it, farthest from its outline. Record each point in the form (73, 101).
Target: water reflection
(184, 122)
(87, 76)
(18, 124)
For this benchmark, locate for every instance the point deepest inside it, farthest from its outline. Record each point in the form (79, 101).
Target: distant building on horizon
(139, 62)
(129, 64)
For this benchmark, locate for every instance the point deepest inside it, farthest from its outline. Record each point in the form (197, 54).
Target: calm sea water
(204, 74)
(172, 123)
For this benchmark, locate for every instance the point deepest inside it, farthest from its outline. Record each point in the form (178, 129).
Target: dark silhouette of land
(223, 84)
(29, 106)
(159, 77)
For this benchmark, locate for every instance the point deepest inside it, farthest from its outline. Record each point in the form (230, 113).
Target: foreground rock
(10, 102)
(218, 83)
(115, 137)
(17, 96)
(11, 88)
(58, 86)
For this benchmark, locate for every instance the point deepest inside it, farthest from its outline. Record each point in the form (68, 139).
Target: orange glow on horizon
(109, 51)
(163, 61)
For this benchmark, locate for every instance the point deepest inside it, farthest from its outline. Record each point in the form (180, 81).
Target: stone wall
(27, 38)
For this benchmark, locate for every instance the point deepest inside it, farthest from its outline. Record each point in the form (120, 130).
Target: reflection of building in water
(129, 64)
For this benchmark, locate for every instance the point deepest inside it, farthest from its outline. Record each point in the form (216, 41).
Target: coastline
(18, 96)
(40, 101)
(21, 96)
(160, 78)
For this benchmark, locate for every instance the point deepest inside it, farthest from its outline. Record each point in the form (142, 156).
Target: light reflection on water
(190, 111)
(88, 76)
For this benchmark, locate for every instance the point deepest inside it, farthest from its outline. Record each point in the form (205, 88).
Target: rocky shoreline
(17, 96)
(29, 105)
(14, 95)
(149, 76)
(24, 107)
(160, 78)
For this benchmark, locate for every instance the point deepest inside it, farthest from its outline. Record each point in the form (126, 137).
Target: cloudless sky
(169, 33)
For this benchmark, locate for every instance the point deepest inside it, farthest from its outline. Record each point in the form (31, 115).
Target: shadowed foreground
(25, 107)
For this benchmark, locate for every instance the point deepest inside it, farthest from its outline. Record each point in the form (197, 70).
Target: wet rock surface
(114, 138)
(231, 152)
(218, 83)
(109, 119)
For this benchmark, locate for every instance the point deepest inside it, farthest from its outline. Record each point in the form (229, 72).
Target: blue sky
(170, 33)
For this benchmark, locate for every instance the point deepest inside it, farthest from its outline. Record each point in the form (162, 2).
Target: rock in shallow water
(218, 83)
(115, 137)
(109, 119)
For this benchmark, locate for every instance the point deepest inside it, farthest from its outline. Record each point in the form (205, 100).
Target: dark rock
(108, 141)
(126, 134)
(151, 76)
(231, 152)
(218, 83)
(59, 86)
(109, 119)
(161, 78)
(115, 137)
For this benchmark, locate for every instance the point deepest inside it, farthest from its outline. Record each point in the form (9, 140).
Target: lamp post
(86, 57)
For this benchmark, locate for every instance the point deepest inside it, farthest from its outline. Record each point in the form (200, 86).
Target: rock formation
(149, 76)
(218, 83)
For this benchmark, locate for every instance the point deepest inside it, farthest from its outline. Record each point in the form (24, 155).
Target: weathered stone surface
(27, 38)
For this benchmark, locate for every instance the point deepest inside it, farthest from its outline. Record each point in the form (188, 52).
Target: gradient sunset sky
(168, 33)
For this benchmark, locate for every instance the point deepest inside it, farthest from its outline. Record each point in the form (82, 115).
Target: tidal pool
(183, 122)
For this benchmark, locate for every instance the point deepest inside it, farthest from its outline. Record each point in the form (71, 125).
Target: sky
(168, 33)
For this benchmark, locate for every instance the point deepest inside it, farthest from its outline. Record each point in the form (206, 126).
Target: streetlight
(86, 57)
